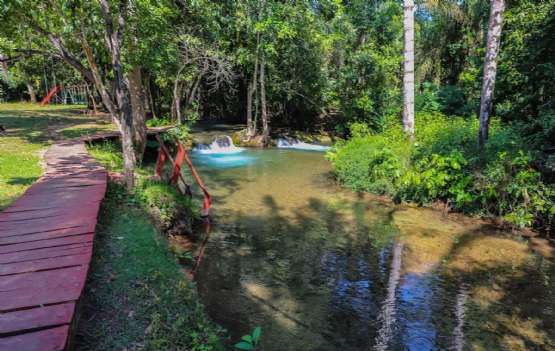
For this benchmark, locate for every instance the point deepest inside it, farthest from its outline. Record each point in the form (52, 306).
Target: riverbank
(137, 295)
(507, 179)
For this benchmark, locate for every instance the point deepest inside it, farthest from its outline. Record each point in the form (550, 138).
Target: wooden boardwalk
(46, 240)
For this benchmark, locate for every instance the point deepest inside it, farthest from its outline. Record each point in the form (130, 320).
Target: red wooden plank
(44, 264)
(77, 226)
(18, 239)
(69, 193)
(67, 200)
(38, 214)
(85, 238)
(49, 252)
(41, 288)
(52, 205)
(24, 215)
(10, 219)
(75, 185)
(51, 214)
(53, 339)
(39, 317)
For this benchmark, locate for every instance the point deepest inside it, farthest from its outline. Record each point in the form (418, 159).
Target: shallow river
(319, 267)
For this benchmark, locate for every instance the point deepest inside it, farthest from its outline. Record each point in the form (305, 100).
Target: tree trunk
(3, 67)
(490, 67)
(31, 92)
(92, 100)
(193, 92)
(408, 74)
(176, 104)
(127, 134)
(250, 93)
(177, 90)
(251, 123)
(263, 106)
(149, 97)
(114, 40)
(136, 95)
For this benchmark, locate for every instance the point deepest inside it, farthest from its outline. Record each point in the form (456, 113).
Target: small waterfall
(221, 145)
(289, 143)
(458, 332)
(387, 315)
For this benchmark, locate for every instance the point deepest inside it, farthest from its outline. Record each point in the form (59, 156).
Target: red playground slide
(50, 94)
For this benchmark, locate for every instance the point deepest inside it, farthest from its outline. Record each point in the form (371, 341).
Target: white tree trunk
(408, 74)
(31, 92)
(490, 67)
(252, 90)
(263, 106)
(3, 68)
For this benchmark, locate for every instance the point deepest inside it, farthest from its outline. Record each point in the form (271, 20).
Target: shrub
(436, 177)
(509, 187)
(168, 204)
(445, 164)
(369, 163)
(159, 122)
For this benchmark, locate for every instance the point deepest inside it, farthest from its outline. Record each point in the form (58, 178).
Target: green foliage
(369, 163)
(163, 201)
(445, 165)
(108, 154)
(510, 187)
(159, 122)
(250, 342)
(134, 274)
(359, 129)
(181, 132)
(436, 177)
(427, 100)
(168, 203)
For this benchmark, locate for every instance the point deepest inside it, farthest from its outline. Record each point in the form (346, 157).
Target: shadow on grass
(38, 125)
(21, 180)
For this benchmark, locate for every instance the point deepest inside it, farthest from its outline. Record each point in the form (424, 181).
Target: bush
(166, 201)
(436, 177)
(369, 163)
(509, 187)
(445, 164)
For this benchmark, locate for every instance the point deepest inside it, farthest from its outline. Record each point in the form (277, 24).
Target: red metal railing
(182, 155)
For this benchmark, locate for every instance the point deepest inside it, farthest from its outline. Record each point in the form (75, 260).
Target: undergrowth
(445, 164)
(136, 296)
(164, 202)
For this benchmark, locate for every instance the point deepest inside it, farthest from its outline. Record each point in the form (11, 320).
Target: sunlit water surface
(319, 267)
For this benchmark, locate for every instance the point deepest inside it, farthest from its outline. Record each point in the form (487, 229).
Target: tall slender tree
(497, 8)
(408, 74)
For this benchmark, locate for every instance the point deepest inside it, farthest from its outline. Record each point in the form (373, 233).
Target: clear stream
(319, 267)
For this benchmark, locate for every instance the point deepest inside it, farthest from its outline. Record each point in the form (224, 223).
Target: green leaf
(256, 334)
(247, 338)
(243, 345)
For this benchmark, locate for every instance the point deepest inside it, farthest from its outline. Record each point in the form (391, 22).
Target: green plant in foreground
(250, 342)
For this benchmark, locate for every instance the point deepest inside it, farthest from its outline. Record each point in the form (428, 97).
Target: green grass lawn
(30, 129)
(136, 297)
